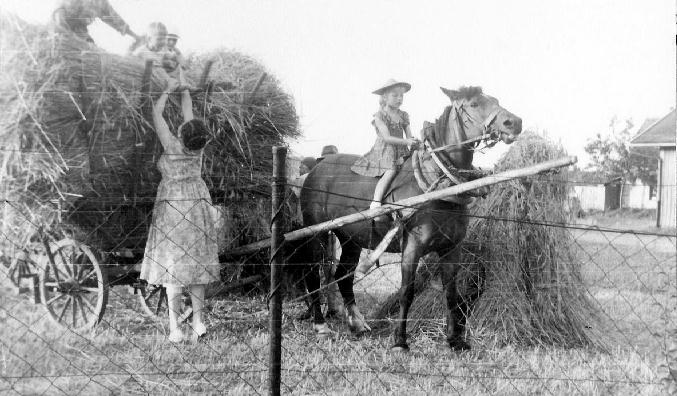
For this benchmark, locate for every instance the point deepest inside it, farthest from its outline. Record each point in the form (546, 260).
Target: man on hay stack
(74, 16)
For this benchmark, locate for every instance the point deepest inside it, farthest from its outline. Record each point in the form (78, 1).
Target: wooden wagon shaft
(407, 203)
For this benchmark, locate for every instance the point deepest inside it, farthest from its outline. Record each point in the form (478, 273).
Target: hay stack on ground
(522, 274)
(78, 153)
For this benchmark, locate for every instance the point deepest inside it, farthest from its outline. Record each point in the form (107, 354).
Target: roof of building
(661, 132)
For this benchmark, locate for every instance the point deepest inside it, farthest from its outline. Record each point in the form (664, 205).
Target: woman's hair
(194, 134)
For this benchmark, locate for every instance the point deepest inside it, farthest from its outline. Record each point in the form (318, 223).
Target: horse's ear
(453, 95)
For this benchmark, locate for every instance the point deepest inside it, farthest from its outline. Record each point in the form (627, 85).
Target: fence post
(276, 262)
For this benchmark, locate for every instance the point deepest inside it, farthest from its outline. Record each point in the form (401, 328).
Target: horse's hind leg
(312, 281)
(456, 315)
(334, 304)
(344, 277)
(410, 256)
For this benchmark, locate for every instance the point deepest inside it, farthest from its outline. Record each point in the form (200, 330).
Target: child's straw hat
(392, 83)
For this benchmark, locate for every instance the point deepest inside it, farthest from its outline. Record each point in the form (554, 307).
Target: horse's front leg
(456, 315)
(410, 256)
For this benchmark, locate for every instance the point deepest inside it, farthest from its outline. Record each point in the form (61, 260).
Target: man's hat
(328, 150)
(172, 32)
(390, 84)
(309, 162)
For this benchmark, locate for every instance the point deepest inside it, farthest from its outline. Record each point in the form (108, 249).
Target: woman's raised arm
(161, 128)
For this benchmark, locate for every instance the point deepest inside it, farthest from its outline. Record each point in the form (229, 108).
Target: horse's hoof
(459, 345)
(400, 348)
(322, 331)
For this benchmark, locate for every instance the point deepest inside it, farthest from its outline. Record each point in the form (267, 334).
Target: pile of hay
(519, 274)
(78, 153)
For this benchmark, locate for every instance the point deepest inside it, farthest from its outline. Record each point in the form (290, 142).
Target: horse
(332, 190)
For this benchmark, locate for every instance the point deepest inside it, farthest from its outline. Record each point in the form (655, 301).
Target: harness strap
(418, 174)
(490, 119)
(440, 165)
(427, 187)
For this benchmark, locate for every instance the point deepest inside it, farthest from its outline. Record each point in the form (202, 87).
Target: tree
(612, 155)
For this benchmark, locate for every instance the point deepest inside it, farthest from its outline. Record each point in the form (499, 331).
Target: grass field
(631, 278)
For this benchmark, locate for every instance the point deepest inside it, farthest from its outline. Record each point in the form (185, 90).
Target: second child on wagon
(393, 139)
(155, 49)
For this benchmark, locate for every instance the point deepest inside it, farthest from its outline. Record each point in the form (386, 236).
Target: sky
(564, 67)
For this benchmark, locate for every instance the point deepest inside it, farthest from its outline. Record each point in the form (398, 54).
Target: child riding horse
(393, 139)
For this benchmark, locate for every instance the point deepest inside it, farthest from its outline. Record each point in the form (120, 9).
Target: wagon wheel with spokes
(73, 287)
(153, 300)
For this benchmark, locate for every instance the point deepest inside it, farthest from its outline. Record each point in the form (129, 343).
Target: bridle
(489, 137)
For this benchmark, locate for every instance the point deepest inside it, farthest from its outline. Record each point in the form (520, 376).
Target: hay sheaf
(79, 154)
(519, 269)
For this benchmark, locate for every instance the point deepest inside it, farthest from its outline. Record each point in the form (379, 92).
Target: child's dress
(384, 156)
(182, 242)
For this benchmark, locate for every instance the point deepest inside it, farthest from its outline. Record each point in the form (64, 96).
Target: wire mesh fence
(550, 306)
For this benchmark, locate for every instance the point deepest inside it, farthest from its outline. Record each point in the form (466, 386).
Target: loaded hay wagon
(78, 163)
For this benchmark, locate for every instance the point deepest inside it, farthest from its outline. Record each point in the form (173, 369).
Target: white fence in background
(591, 197)
(637, 197)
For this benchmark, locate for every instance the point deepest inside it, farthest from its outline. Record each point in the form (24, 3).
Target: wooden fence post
(276, 263)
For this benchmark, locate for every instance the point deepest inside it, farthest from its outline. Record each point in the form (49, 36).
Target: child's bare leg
(186, 105)
(381, 188)
(197, 297)
(174, 293)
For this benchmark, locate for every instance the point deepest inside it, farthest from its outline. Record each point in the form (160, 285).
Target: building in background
(663, 134)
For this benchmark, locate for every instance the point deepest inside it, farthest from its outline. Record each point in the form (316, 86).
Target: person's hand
(172, 85)
(413, 143)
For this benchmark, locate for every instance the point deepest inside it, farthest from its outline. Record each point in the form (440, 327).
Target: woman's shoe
(199, 331)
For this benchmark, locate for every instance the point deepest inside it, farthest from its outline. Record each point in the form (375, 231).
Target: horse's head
(481, 115)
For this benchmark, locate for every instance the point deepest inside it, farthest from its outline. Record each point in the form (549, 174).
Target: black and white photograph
(321, 197)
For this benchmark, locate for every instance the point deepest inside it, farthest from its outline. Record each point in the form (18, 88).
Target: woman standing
(182, 247)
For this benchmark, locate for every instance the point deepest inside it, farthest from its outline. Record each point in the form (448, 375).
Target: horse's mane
(464, 92)
(435, 133)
